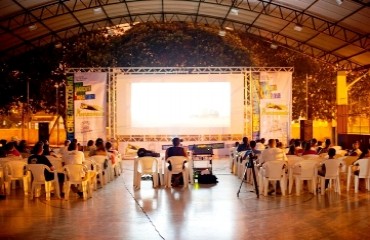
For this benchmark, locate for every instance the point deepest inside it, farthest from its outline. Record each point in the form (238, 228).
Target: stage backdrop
(275, 93)
(90, 106)
(180, 104)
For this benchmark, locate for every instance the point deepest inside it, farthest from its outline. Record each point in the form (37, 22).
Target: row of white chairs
(96, 168)
(160, 172)
(297, 169)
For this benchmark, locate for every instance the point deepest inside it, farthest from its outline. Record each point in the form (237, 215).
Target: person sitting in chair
(176, 150)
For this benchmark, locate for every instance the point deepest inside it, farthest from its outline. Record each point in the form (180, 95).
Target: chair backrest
(308, 168)
(37, 171)
(177, 163)
(147, 165)
(75, 172)
(309, 156)
(364, 167)
(274, 169)
(100, 160)
(331, 167)
(55, 161)
(90, 164)
(15, 169)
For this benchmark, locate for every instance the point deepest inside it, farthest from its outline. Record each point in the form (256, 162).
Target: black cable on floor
(142, 209)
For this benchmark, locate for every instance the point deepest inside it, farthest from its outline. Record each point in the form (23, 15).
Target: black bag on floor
(207, 179)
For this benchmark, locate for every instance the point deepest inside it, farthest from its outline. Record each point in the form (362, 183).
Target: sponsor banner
(70, 122)
(275, 89)
(90, 106)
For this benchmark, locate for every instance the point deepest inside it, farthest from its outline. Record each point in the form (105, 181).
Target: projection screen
(180, 104)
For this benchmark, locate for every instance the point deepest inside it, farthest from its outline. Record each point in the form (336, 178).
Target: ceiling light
(222, 33)
(229, 28)
(58, 45)
(298, 27)
(273, 46)
(98, 10)
(339, 2)
(32, 27)
(234, 11)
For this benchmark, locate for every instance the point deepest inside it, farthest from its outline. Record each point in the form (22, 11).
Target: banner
(90, 106)
(70, 122)
(275, 89)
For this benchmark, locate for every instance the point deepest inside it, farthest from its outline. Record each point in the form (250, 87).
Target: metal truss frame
(113, 73)
(272, 9)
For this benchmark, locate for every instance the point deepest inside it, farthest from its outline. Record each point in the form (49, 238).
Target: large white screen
(180, 104)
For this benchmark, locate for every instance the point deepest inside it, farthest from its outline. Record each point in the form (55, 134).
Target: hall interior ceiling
(334, 31)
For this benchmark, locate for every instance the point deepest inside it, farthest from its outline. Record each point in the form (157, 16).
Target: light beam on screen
(180, 104)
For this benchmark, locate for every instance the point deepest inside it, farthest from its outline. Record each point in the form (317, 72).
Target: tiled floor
(200, 212)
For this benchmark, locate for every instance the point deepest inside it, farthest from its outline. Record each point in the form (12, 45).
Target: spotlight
(32, 27)
(339, 2)
(298, 27)
(98, 10)
(222, 33)
(234, 11)
(58, 45)
(273, 46)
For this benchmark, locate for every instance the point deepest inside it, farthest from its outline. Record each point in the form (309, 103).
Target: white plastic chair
(55, 161)
(332, 170)
(178, 166)
(16, 171)
(76, 174)
(102, 164)
(363, 166)
(307, 171)
(92, 172)
(37, 171)
(272, 171)
(149, 166)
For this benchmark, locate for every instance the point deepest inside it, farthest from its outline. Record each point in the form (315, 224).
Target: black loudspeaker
(306, 129)
(43, 131)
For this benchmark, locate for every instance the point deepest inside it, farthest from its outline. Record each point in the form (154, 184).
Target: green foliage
(176, 44)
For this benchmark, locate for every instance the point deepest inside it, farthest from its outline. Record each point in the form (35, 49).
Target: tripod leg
(255, 180)
(245, 172)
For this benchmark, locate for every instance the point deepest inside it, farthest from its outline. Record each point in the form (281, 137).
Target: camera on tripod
(252, 157)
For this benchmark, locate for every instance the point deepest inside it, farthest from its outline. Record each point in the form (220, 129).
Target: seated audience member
(243, 146)
(11, 150)
(63, 150)
(38, 158)
(322, 170)
(260, 145)
(47, 149)
(99, 148)
(299, 150)
(326, 147)
(272, 153)
(308, 150)
(73, 155)
(355, 151)
(90, 148)
(23, 149)
(175, 150)
(313, 143)
(112, 154)
(3, 143)
(291, 150)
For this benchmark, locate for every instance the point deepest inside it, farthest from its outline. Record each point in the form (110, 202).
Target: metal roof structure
(335, 31)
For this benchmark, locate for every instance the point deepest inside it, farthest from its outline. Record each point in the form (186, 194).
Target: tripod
(249, 164)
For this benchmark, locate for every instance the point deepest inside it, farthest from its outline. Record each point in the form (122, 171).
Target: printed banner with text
(90, 106)
(275, 89)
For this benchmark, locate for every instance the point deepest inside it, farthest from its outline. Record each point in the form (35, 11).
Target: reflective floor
(199, 212)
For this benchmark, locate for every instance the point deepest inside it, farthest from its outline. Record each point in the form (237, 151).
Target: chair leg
(348, 179)
(322, 182)
(67, 189)
(84, 189)
(265, 186)
(47, 190)
(356, 184)
(297, 186)
(338, 185)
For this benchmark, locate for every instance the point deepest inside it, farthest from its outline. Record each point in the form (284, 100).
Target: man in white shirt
(272, 153)
(73, 156)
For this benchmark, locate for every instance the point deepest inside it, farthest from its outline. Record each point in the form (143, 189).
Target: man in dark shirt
(176, 150)
(244, 146)
(38, 158)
